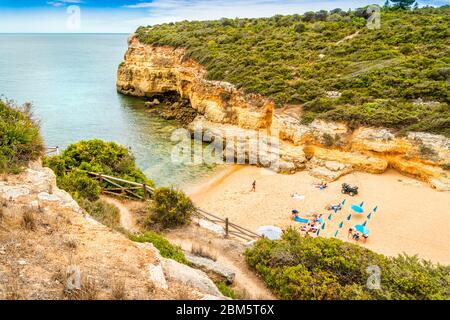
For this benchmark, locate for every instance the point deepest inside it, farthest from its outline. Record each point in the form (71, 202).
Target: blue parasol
(298, 219)
(270, 232)
(361, 228)
(357, 208)
(349, 217)
(323, 226)
(343, 202)
(330, 216)
(336, 233)
(369, 216)
(375, 209)
(365, 223)
(341, 224)
(318, 232)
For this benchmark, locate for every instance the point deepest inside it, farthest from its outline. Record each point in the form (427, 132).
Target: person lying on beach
(334, 207)
(294, 214)
(322, 185)
(365, 237)
(356, 236)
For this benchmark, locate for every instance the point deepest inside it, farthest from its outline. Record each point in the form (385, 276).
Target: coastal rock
(176, 271)
(149, 70)
(229, 115)
(209, 265)
(328, 170)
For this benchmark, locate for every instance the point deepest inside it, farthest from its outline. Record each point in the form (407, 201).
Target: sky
(124, 16)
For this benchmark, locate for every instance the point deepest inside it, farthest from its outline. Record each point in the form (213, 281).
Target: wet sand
(411, 217)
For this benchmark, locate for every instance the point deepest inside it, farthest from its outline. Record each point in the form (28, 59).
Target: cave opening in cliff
(171, 105)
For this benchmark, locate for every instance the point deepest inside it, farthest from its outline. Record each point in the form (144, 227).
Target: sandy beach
(411, 217)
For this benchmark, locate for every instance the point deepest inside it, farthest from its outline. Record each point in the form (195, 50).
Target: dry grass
(70, 242)
(29, 220)
(88, 289)
(118, 291)
(202, 252)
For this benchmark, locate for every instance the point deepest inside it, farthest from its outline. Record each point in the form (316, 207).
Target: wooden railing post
(226, 227)
(145, 191)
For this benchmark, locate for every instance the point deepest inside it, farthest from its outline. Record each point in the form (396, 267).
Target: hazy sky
(126, 15)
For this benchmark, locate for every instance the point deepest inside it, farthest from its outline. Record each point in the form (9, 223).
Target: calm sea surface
(70, 79)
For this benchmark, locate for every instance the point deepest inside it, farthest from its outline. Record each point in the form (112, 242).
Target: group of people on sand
(355, 235)
(313, 224)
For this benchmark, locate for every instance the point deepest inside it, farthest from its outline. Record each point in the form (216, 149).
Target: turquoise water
(70, 79)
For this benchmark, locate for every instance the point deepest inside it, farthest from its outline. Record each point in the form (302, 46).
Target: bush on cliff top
(20, 139)
(296, 59)
(166, 249)
(169, 208)
(299, 268)
(97, 156)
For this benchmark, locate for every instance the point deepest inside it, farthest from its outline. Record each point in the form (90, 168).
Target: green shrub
(226, 290)
(294, 59)
(170, 208)
(20, 139)
(98, 156)
(166, 249)
(103, 212)
(109, 158)
(301, 268)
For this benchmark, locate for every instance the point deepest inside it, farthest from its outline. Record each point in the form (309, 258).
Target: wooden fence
(123, 188)
(51, 151)
(231, 229)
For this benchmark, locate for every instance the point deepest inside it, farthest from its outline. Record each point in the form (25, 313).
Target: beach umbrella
(375, 209)
(369, 216)
(341, 224)
(362, 203)
(323, 226)
(361, 228)
(365, 223)
(330, 216)
(270, 232)
(336, 233)
(343, 202)
(318, 232)
(357, 208)
(349, 217)
(300, 220)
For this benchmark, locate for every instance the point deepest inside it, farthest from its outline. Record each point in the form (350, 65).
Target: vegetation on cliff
(109, 158)
(300, 59)
(300, 268)
(20, 139)
(166, 249)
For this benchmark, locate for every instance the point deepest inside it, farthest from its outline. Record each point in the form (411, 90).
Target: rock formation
(328, 150)
(47, 244)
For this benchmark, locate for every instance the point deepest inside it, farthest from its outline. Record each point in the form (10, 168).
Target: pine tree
(403, 4)
(387, 4)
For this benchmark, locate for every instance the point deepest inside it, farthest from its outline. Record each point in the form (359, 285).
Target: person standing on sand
(254, 186)
(350, 233)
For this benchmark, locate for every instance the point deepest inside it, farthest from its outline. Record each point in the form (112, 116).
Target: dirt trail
(228, 253)
(127, 219)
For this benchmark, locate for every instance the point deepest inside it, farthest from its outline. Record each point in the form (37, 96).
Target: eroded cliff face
(328, 150)
(149, 70)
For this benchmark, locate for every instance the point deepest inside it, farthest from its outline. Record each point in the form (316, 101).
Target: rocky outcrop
(149, 70)
(45, 238)
(328, 150)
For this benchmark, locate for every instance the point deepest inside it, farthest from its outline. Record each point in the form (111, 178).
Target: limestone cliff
(50, 249)
(327, 150)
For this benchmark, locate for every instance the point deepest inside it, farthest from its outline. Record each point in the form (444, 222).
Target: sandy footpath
(411, 217)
